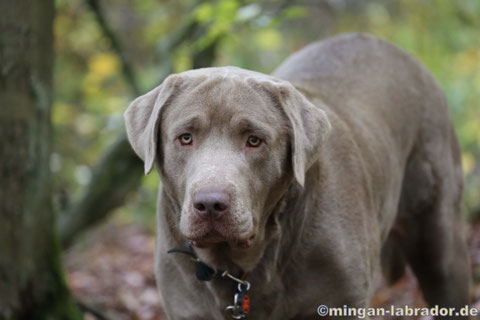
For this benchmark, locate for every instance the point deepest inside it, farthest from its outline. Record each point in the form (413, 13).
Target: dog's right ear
(142, 120)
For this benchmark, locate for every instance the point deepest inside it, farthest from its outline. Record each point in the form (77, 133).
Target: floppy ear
(309, 128)
(142, 119)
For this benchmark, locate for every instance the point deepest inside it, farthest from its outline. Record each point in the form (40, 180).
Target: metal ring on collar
(234, 312)
(247, 286)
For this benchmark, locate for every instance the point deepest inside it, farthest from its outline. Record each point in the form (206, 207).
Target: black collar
(204, 272)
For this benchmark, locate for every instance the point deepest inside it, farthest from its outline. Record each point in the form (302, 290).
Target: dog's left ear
(309, 128)
(142, 120)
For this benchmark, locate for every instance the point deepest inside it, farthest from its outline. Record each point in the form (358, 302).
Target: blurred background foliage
(95, 81)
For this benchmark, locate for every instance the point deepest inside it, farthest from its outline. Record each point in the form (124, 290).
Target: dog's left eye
(253, 141)
(186, 139)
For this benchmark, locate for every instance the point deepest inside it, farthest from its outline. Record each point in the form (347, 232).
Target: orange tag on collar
(245, 304)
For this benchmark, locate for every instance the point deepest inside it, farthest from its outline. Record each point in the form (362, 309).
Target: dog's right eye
(186, 139)
(254, 141)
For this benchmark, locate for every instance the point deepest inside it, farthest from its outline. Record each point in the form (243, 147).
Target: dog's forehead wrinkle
(192, 122)
(229, 82)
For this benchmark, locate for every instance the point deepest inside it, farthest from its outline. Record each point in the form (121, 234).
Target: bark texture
(31, 279)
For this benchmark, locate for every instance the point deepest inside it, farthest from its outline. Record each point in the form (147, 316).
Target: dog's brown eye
(254, 141)
(186, 139)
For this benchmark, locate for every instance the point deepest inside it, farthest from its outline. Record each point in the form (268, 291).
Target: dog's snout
(211, 202)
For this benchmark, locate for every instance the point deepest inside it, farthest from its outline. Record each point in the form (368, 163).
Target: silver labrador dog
(305, 181)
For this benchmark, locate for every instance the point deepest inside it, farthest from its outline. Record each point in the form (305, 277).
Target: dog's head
(228, 143)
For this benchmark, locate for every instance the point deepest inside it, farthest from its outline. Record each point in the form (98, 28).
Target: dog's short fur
(357, 155)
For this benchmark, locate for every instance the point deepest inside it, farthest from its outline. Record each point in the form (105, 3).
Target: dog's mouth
(213, 238)
(208, 232)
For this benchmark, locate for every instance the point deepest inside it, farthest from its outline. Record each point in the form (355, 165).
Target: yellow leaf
(226, 10)
(103, 65)
(468, 61)
(204, 12)
(468, 163)
(62, 113)
(269, 39)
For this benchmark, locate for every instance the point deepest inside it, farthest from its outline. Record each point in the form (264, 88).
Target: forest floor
(111, 272)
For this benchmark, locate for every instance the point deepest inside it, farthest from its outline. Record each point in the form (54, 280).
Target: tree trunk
(31, 279)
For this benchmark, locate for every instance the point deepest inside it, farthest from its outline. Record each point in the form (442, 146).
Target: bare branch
(116, 46)
(118, 173)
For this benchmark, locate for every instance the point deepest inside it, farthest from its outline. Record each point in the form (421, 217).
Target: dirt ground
(111, 273)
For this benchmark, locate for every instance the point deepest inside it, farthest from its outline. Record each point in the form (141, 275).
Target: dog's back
(382, 94)
(398, 116)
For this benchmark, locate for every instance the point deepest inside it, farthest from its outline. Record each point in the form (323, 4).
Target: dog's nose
(211, 202)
